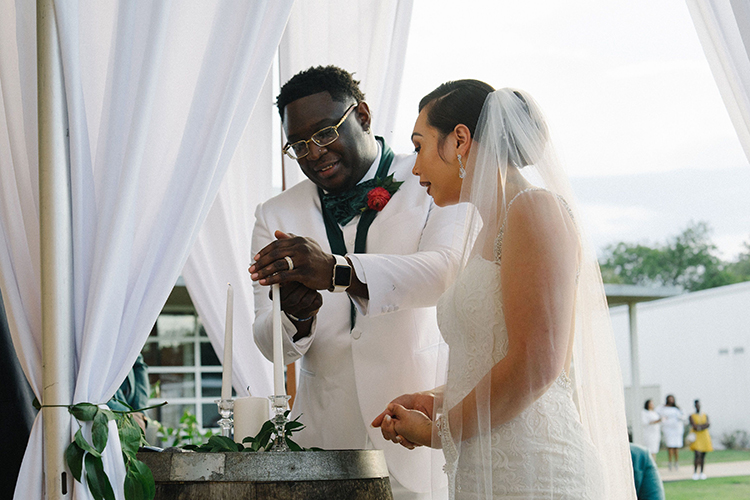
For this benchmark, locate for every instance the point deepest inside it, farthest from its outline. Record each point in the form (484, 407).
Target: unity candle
(278, 345)
(250, 413)
(226, 374)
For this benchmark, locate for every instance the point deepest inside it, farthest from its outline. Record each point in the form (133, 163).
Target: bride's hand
(420, 401)
(410, 428)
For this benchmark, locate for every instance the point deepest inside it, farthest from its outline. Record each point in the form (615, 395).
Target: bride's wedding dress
(543, 453)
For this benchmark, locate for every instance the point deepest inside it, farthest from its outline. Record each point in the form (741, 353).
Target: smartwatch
(342, 274)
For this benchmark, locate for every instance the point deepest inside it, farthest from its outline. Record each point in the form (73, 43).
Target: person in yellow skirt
(702, 444)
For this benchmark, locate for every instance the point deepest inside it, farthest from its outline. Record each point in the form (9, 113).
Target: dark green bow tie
(345, 206)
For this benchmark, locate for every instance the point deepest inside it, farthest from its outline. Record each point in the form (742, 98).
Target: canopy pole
(56, 253)
(635, 376)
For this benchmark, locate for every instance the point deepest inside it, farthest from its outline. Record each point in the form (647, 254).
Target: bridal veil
(510, 152)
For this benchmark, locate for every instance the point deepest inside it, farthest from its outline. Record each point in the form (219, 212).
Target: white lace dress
(542, 453)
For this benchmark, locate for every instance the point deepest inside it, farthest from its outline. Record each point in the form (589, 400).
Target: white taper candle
(226, 373)
(278, 345)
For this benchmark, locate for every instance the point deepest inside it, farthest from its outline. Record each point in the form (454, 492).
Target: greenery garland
(84, 459)
(263, 441)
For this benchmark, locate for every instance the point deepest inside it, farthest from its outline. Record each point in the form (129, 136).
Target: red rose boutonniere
(378, 197)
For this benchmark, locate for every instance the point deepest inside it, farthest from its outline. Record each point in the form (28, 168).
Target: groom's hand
(298, 300)
(311, 266)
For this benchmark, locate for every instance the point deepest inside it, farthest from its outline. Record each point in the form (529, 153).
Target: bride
(532, 406)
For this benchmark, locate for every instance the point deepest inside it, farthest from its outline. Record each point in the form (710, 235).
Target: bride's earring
(461, 169)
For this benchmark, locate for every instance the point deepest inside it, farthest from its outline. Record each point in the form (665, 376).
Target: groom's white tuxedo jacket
(347, 377)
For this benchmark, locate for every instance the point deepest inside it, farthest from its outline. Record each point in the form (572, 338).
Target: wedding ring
(290, 262)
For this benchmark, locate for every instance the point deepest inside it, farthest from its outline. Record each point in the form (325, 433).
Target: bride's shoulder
(538, 214)
(533, 203)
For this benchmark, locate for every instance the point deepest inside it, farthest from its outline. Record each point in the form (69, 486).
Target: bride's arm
(540, 255)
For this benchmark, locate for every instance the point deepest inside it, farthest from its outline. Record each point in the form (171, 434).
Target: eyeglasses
(322, 137)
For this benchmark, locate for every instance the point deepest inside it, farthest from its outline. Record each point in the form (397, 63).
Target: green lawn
(724, 488)
(686, 457)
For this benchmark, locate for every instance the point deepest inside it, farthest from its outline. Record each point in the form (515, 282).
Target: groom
(362, 255)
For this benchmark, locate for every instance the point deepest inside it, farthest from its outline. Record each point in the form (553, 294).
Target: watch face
(342, 276)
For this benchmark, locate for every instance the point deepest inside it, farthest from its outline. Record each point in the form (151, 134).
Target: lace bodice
(542, 452)
(471, 319)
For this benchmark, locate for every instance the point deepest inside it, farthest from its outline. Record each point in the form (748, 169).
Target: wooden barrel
(297, 475)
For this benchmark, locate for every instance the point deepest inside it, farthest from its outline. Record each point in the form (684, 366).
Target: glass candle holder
(279, 404)
(226, 410)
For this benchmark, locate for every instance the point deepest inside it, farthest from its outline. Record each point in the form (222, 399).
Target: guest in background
(702, 444)
(673, 427)
(134, 391)
(648, 485)
(651, 428)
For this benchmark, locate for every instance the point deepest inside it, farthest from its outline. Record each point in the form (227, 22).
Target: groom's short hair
(332, 79)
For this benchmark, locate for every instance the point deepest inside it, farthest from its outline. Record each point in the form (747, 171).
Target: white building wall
(695, 346)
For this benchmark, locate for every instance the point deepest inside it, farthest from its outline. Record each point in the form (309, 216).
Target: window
(183, 367)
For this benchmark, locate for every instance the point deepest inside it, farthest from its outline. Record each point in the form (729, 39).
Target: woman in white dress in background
(673, 428)
(533, 402)
(651, 422)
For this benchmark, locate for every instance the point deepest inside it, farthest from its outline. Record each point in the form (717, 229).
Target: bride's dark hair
(461, 102)
(455, 102)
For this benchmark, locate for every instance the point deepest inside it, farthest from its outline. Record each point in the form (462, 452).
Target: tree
(741, 268)
(687, 260)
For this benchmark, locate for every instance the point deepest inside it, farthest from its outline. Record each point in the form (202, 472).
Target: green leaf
(293, 426)
(100, 431)
(264, 435)
(85, 412)
(267, 426)
(97, 479)
(222, 443)
(292, 445)
(130, 436)
(139, 483)
(251, 444)
(74, 459)
(133, 487)
(109, 413)
(147, 478)
(84, 445)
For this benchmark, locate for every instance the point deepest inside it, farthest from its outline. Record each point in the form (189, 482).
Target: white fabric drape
(158, 94)
(365, 37)
(723, 28)
(221, 254)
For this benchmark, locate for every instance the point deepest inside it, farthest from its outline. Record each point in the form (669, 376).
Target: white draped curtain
(158, 95)
(221, 253)
(367, 37)
(723, 28)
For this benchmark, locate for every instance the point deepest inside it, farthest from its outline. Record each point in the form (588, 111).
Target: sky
(632, 105)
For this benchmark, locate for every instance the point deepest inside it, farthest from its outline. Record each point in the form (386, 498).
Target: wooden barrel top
(329, 465)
